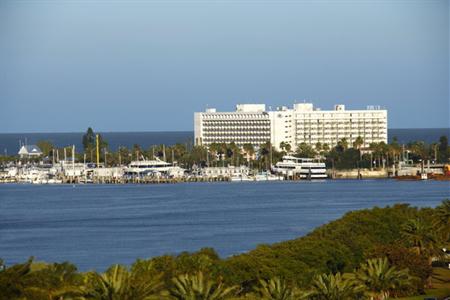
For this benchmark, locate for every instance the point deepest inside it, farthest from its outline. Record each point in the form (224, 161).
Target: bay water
(95, 226)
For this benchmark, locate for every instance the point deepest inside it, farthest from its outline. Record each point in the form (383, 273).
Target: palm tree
(249, 151)
(305, 150)
(118, 283)
(288, 147)
(55, 282)
(395, 150)
(285, 147)
(265, 151)
(197, 286)
(442, 220)
(12, 280)
(277, 289)
(325, 148)
(378, 279)
(420, 149)
(233, 152)
(333, 287)
(214, 148)
(421, 237)
(358, 142)
(343, 143)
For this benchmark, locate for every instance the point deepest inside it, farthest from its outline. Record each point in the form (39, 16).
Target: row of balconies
(236, 127)
(340, 135)
(234, 136)
(381, 116)
(337, 138)
(340, 124)
(263, 130)
(228, 124)
(236, 120)
(238, 133)
(235, 117)
(237, 141)
(344, 131)
(356, 120)
(334, 142)
(339, 128)
(341, 116)
(235, 124)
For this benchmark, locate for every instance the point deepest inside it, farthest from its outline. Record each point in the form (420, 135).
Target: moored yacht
(154, 167)
(267, 176)
(305, 168)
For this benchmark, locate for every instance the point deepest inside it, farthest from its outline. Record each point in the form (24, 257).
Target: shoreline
(224, 180)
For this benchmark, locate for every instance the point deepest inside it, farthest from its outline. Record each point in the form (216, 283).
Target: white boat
(242, 177)
(267, 176)
(54, 181)
(157, 167)
(305, 168)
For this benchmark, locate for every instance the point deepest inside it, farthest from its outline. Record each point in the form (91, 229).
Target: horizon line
(164, 131)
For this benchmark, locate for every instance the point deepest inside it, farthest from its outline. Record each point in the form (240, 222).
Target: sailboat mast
(97, 150)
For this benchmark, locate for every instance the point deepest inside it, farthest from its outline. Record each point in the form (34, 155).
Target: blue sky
(148, 65)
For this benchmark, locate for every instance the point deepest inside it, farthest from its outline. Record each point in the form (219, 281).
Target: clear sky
(148, 65)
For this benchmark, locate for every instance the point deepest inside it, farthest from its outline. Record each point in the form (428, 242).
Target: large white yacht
(154, 167)
(306, 168)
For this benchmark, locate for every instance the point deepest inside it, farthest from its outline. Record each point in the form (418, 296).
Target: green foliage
(277, 289)
(401, 257)
(12, 280)
(89, 139)
(46, 147)
(359, 141)
(444, 153)
(53, 282)
(442, 220)
(89, 143)
(333, 287)
(306, 151)
(198, 286)
(378, 279)
(119, 284)
(347, 159)
(421, 237)
(339, 246)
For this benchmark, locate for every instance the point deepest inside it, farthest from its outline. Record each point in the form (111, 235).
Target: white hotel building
(303, 123)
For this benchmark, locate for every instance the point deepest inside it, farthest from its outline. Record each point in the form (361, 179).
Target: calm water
(9, 142)
(98, 225)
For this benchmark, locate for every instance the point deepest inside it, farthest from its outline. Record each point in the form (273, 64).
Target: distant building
(29, 151)
(303, 123)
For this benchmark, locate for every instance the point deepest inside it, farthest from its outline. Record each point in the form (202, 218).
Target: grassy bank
(441, 285)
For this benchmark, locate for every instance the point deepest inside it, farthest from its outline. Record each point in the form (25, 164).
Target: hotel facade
(253, 124)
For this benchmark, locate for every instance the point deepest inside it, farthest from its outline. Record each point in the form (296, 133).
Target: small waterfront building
(28, 151)
(229, 171)
(302, 123)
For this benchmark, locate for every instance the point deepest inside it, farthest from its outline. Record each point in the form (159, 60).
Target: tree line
(341, 156)
(368, 254)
